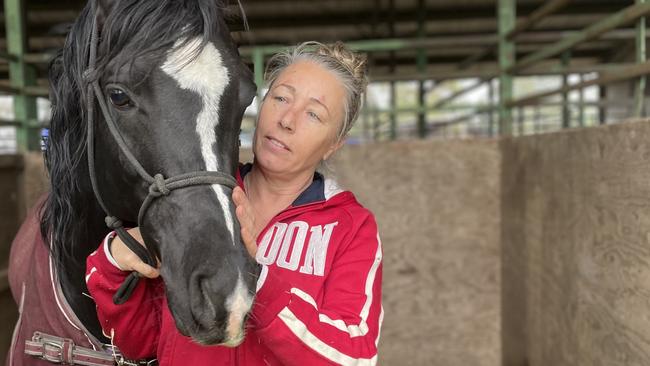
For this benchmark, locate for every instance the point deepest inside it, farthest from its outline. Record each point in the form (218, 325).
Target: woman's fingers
(238, 196)
(129, 261)
(145, 269)
(244, 210)
(246, 217)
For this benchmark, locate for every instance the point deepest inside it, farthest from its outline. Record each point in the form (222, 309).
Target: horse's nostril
(202, 305)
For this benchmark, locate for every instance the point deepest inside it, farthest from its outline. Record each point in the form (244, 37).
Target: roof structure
(459, 36)
(423, 40)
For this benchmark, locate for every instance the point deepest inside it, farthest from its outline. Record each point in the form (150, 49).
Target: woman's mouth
(277, 143)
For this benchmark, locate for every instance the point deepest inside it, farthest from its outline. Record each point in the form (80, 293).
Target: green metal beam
(507, 16)
(460, 92)
(618, 19)
(626, 73)
(485, 108)
(31, 124)
(491, 72)
(639, 93)
(527, 23)
(548, 8)
(374, 45)
(21, 75)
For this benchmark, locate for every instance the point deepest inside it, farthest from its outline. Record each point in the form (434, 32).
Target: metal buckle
(53, 344)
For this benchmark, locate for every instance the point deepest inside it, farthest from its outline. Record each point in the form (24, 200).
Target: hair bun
(355, 63)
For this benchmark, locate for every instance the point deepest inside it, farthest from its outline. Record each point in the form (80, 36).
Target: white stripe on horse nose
(238, 305)
(208, 76)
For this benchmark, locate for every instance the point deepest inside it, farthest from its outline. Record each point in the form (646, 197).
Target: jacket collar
(314, 193)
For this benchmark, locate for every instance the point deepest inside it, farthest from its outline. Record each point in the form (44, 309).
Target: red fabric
(300, 316)
(31, 281)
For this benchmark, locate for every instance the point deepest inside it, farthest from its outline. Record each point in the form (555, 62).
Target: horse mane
(70, 217)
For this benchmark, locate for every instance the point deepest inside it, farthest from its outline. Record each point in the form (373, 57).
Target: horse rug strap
(63, 351)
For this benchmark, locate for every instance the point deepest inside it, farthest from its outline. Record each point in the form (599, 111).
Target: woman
(318, 297)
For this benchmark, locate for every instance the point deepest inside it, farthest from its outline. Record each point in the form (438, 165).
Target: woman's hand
(246, 217)
(129, 261)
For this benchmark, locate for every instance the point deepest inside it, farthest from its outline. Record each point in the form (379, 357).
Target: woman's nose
(286, 125)
(287, 121)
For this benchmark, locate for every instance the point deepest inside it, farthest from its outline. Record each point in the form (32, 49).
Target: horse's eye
(119, 98)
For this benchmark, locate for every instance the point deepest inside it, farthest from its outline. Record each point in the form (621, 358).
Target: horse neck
(71, 271)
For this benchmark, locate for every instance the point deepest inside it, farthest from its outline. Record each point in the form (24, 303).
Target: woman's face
(299, 121)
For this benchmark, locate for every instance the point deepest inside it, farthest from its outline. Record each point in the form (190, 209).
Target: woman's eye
(313, 115)
(119, 98)
(280, 98)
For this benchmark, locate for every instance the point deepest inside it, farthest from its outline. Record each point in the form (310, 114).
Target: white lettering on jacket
(284, 245)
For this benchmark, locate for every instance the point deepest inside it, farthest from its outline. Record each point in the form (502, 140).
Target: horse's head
(176, 87)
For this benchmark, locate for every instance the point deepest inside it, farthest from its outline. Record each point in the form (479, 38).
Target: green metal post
(422, 66)
(520, 122)
(602, 111)
(365, 117)
(258, 68)
(639, 95)
(375, 125)
(490, 86)
(506, 12)
(581, 100)
(566, 112)
(21, 75)
(392, 115)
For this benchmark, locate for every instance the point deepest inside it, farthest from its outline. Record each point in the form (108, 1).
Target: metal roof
(461, 35)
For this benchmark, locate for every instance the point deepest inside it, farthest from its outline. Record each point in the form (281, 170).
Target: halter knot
(90, 75)
(113, 222)
(158, 187)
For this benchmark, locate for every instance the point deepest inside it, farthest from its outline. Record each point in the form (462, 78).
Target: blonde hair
(348, 66)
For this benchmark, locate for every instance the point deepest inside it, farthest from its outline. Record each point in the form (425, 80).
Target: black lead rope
(158, 185)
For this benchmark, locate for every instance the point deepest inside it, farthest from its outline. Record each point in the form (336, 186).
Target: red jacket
(318, 300)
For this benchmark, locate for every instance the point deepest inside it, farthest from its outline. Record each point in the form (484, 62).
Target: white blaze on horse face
(238, 304)
(207, 76)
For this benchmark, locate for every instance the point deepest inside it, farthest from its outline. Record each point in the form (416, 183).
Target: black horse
(172, 81)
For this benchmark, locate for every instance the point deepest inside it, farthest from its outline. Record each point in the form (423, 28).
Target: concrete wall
(437, 207)
(576, 248)
(535, 250)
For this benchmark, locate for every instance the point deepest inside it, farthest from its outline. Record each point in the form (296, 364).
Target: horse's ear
(103, 8)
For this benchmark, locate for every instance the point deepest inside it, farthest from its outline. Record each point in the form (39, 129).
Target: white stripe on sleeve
(300, 330)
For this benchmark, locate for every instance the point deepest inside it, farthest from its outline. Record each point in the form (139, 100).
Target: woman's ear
(333, 149)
